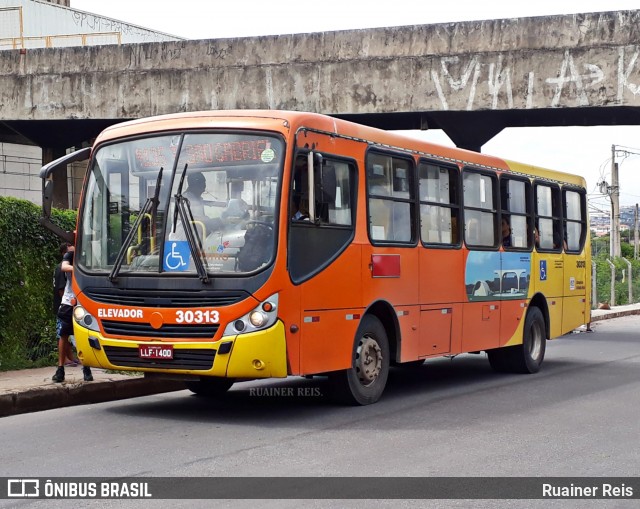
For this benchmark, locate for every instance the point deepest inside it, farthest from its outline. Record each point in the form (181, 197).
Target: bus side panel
(512, 322)
(481, 316)
(327, 340)
(441, 276)
(575, 291)
(547, 278)
(392, 274)
(337, 287)
(480, 326)
(456, 328)
(440, 289)
(409, 319)
(574, 313)
(435, 325)
(291, 314)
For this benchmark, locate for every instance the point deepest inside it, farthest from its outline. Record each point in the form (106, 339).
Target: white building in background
(28, 24)
(47, 24)
(19, 172)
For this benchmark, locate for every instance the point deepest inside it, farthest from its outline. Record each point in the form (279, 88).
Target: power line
(627, 150)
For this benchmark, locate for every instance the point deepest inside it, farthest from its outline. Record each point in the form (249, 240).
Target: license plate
(155, 351)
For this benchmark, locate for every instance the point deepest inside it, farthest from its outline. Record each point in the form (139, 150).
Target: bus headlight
(262, 317)
(85, 319)
(257, 318)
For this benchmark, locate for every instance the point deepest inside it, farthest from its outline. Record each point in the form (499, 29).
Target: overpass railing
(58, 41)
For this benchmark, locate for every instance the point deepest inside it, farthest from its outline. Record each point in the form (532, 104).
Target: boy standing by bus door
(65, 321)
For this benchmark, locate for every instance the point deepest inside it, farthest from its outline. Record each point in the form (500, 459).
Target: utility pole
(635, 233)
(615, 206)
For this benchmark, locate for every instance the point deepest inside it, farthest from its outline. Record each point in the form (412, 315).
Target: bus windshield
(186, 203)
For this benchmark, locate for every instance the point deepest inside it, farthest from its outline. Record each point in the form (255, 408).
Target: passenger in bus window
(506, 232)
(536, 237)
(299, 210)
(557, 243)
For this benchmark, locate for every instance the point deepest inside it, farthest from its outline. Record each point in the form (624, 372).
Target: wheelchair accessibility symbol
(543, 270)
(176, 256)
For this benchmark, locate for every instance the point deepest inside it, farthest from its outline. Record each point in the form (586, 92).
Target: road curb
(57, 396)
(615, 314)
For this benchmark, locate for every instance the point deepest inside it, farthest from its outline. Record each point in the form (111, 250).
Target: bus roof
(290, 121)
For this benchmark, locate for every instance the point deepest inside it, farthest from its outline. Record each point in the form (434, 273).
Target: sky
(582, 150)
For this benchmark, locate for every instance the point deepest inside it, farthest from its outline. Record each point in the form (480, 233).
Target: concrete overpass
(471, 79)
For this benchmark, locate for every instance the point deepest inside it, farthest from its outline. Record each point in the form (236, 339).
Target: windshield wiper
(183, 208)
(150, 205)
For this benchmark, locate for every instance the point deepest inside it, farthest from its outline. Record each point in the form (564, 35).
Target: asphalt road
(578, 417)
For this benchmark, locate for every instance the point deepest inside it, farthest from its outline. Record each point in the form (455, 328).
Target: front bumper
(261, 354)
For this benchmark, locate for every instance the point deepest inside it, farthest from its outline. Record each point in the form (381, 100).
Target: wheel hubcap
(368, 360)
(535, 346)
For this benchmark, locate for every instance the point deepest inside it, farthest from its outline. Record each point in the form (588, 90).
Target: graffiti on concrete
(571, 81)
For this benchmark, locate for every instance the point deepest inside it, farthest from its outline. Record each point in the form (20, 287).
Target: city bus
(226, 246)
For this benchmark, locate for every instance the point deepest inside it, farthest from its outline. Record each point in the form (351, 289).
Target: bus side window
(515, 199)
(380, 219)
(439, 203)
(391, 198)
(480, 208)
(472, 230)
(548, 217)
(575, 220)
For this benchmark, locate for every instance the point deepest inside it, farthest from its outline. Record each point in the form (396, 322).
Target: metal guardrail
(56, 41)
(49, 41)
(615, 281)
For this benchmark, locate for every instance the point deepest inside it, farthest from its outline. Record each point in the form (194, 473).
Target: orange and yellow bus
(231, 245)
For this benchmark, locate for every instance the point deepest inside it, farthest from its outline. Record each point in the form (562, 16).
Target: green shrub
(27, 260)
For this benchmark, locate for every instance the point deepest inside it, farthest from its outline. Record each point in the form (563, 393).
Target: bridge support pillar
(470, 135)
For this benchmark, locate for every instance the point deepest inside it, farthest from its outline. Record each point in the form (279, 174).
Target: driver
(197, 185)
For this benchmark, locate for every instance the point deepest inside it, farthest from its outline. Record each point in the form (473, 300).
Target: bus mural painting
(193, 261)
(485, 280)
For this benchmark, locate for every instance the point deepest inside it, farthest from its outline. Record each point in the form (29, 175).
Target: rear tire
(364, 382)
(527, 357)
(210, 387)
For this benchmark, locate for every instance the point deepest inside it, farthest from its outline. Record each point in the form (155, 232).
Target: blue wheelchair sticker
(176, 256)
(543, 270)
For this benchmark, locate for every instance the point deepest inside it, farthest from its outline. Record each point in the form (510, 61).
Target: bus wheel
(534, 343)
(527, 357)
(209, 386)
(364, 382)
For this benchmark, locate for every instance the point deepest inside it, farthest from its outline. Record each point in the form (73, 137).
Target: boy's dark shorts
(64, 323)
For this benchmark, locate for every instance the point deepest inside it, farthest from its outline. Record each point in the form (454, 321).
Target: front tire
(364, 382)
(210, 387)
(527, 357)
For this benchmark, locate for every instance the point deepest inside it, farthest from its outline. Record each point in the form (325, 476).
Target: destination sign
(207, 154)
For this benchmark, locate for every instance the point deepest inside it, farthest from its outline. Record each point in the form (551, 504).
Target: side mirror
(47, 190)
(326, 184)
(47, 197)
